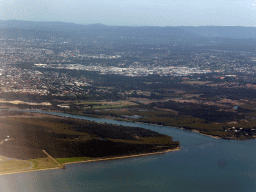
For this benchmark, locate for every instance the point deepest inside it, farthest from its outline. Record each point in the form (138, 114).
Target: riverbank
(94, 160)
(127, 156)
(193, 130)
(39, 114)
(141, 122)
(215, 137)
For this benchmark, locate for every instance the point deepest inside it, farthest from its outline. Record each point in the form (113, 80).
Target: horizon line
(128, 25)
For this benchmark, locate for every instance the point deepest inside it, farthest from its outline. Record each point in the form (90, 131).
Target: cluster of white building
(131, 71)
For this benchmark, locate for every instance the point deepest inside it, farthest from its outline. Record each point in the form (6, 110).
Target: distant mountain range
(150, 31)
(239, 38)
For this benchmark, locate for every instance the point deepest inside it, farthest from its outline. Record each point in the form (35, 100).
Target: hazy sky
(134, 12)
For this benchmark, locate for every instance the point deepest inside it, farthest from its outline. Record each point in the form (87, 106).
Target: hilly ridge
(237, 32)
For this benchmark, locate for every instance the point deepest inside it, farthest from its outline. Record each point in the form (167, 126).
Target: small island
(33, 141)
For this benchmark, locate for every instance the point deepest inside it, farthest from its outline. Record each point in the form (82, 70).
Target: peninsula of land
(33, 141)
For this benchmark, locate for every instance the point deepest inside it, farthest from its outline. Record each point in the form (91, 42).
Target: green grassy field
(106, 105)
(13, 166)
(72, 159)
(43, 163)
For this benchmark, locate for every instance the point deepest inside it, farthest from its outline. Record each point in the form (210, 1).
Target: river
(204, 164)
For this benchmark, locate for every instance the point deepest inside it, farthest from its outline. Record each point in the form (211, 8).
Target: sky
(134, 12)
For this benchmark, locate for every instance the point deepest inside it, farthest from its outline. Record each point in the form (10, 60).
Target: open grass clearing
(16, 102)
(72, 159)
(197, 82)
(14, 165)
(43, 163)
(108, 104)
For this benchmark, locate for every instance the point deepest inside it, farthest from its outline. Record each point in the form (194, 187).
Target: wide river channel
(203, 164)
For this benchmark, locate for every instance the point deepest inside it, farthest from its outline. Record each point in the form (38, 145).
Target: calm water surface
(203, 164)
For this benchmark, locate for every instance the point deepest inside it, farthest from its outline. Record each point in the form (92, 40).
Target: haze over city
(134, 13)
